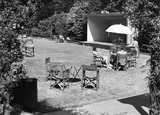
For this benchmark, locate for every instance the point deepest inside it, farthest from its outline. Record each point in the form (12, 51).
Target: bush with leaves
(72, 24)
(56, 22)
(60, 24)
(15, 16)
(76, 23)
(43, 28)
(77, 20)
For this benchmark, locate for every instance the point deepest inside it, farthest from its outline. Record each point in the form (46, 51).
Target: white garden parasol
(119, 29)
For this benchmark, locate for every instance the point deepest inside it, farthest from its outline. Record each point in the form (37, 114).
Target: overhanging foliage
(15, 18)
(144, 15)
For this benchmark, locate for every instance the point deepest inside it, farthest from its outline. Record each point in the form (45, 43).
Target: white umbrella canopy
(119, 29)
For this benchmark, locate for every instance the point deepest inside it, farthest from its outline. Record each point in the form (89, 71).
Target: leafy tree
(56, 22)
(75, 25)
(77, 20)
(47, 8)
(60, 24)
(63, 5)
(144, 15)
(46, 16)
(15, 16)
(42, 29)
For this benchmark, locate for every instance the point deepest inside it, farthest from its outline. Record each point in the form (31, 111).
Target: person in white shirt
(135, 45)
(121, 61)
(68, 39)
(104, 58)
(61, 38)
(121, 51)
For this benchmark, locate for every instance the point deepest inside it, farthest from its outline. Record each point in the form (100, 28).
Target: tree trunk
(154, 84)
(154, 100)
(6, 107)
(6, 112)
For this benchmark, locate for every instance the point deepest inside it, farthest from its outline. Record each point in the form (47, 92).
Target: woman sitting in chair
(122, 59)
(104, 58)
(122, 51)
(113, 57)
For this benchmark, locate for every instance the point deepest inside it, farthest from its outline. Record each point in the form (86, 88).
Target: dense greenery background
(65, 17)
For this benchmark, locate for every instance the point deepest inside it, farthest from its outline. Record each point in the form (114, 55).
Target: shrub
(60, 24)
(43, 28)
(77, 21)
(56, 22)
(15, 15)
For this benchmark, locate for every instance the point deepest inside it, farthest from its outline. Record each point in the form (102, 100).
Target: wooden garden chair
(88, 80)
(121, 61)
(132, 58)
(59, 75)
(98, 61)
(29, 47)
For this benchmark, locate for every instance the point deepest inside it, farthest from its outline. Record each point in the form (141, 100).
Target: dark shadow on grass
(138, 101)
(58, 87)
(90, 87)
(71, 80)
(74, 80)
(43, 108)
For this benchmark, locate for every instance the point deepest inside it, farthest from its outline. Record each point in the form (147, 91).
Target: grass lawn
(113, 84)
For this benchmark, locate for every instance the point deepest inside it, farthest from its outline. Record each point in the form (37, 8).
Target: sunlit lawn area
(113, 84)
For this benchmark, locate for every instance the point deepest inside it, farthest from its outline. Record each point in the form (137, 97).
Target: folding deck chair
(132, 59)
(29, 47)
(88, 80)
(98, 61)
(59, 75)
(121, 62)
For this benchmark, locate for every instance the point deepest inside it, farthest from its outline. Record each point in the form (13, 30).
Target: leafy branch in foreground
(15, 17)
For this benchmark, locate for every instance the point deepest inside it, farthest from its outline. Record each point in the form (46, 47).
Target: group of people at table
(111, 60)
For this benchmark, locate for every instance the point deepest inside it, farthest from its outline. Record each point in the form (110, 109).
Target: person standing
(136, 46)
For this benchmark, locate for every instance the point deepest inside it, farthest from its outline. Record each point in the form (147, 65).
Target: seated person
(113, 57)
(122, 51)
(61, 38)
(104, 58)
(122, 62)
(68, 39)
